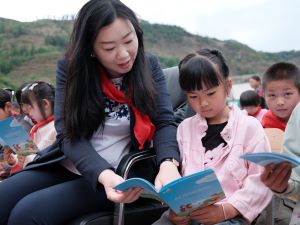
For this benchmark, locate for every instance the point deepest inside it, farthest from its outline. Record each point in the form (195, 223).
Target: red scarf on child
(143, 127)
(256, 113)
(40, 124)
(271, 121)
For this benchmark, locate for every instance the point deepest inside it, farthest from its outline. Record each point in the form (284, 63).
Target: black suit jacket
(88, 162)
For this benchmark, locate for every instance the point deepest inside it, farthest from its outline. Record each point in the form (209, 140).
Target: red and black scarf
(143, 127)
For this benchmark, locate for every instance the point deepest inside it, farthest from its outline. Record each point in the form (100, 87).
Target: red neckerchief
(40, 124)
(271, 121)
(256, 113)
(143, 127)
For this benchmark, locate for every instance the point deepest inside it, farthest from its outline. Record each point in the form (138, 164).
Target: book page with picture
(13, 136)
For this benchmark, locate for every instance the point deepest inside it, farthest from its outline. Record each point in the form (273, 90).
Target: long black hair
(84, 102)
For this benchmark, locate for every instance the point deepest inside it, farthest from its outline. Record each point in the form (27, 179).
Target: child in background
(39, 100)
(10, 161)
(281, 85)
(39, 97)
(24, 107)
(255, 83)
(282, 178)
(215, 138)
(250, 101)
(5, 104)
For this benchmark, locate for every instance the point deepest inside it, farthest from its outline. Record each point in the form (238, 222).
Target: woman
(105, 106)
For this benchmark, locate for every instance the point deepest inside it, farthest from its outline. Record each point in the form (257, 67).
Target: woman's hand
(276, 177)
(110, 179)
(178, 220)
(167, 173)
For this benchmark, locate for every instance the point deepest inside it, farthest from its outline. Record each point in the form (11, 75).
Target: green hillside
(30, 50)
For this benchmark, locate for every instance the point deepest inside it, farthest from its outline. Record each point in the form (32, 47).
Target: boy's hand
(276, 177)
(110, 179)
(178, 220)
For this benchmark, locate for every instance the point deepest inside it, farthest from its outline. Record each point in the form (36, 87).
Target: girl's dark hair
(23, 87)
(4, 97)
(84, 100)
(282, 71)
(38, 91)
(250, 98)
(203, 67)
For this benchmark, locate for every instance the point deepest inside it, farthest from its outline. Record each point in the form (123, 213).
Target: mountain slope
(30, 50)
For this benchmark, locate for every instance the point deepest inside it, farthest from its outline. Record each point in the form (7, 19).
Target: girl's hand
(167, 173)
(110, 179)
(178, 220)
(214, 214)
(276, 177)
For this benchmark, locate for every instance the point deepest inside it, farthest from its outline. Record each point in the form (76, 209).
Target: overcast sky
(265, 25)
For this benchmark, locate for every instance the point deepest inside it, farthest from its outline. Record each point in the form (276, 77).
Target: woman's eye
(128, 42)
(192, 96)
(109, 49)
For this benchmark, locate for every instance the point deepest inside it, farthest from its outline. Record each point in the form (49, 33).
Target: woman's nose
(122, 53)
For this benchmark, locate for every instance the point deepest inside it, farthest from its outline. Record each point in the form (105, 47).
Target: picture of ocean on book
(15, 137)
(184, 194)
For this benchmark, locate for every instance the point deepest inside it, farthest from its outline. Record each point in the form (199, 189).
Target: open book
(184, 194)
(14, 136)
(265, 158)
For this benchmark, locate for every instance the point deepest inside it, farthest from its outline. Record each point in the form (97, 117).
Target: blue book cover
(265, 158)
(14, 136)
(184, 194)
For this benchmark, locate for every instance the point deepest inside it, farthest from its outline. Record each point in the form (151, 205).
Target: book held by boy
(14, 136)
(265, 158)
(183, 195)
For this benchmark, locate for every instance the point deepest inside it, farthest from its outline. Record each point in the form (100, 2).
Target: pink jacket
(240, 179)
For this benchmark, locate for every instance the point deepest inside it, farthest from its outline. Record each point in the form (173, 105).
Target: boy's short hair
(250, 98)
(4, 97)
(282, 71)
(255, 77)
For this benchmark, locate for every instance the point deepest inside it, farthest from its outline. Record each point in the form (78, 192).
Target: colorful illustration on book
(15, 137)
(203, 192)
(184, 194)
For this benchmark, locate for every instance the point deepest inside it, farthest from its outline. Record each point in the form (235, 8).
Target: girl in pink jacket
(215, 138)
